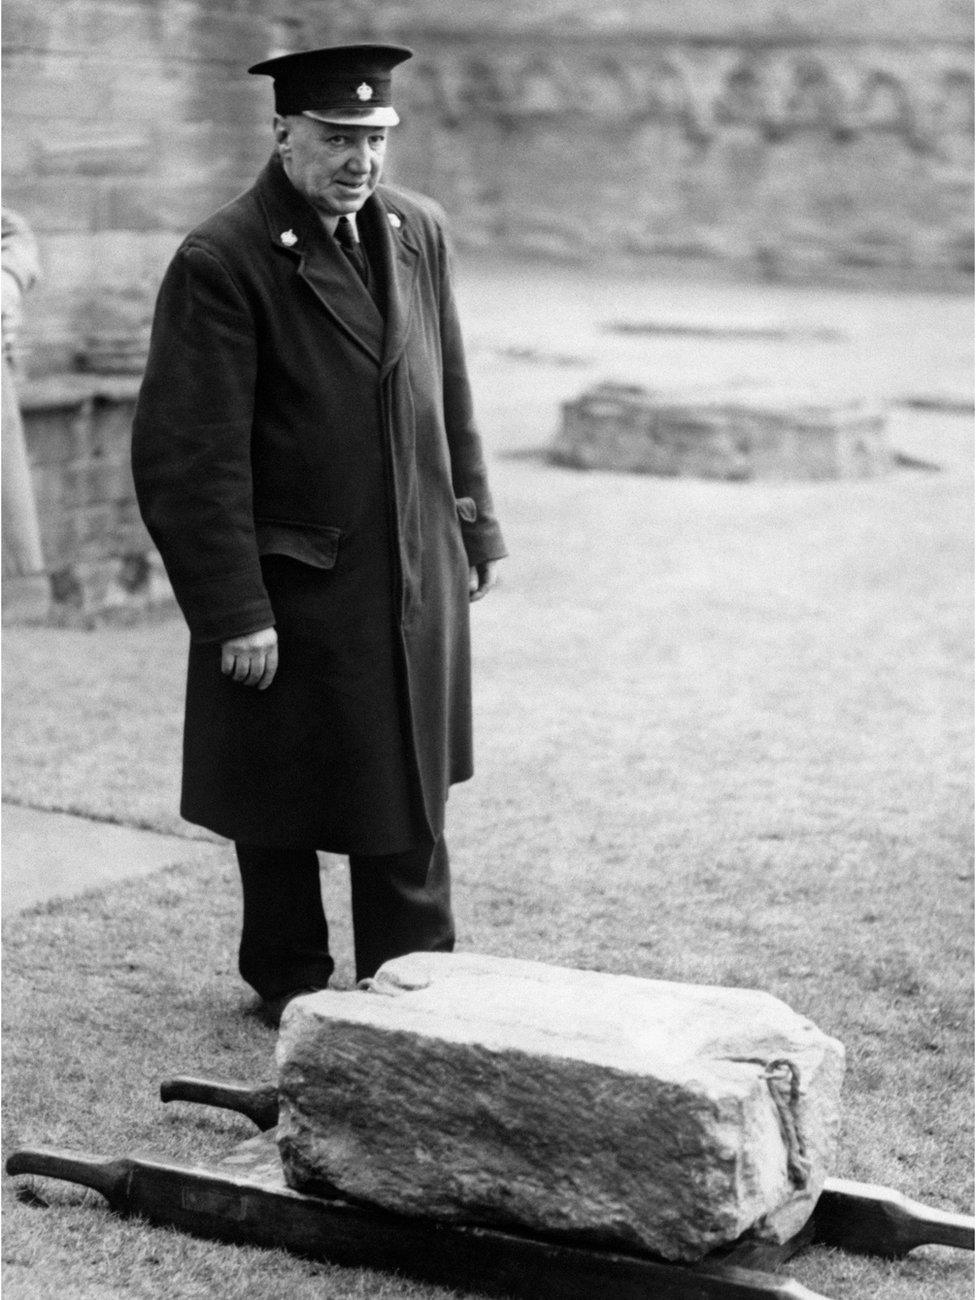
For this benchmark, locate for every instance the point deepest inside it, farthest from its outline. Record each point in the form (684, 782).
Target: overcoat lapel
(294, 225)
(400, 258)
(330, 276)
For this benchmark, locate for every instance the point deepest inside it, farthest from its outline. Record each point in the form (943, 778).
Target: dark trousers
(401, 902)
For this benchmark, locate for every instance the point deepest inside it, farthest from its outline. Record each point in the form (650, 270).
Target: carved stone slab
(762, 436)
(666, 1117)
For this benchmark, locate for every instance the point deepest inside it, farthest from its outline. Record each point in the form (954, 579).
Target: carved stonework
(791, 151)
(832, 138)
(839, 140)
(776, 92)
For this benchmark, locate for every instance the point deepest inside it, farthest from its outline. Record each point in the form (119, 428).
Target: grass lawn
(724, 736)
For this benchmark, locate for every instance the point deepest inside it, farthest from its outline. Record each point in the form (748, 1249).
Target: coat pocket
(467, 510)
(314, 544)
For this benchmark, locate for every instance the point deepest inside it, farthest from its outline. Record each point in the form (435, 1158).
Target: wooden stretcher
(243, 1198)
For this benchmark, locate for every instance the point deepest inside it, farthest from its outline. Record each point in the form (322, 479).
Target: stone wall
(818, 140)
(810, 139)
(79, 432)
(801, 139)
(814, 154)
(125, 122)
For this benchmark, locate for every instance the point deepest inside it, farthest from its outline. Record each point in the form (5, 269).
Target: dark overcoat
(301, 463)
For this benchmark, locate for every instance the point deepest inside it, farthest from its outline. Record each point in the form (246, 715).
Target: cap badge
(395, 221)
(289, 238)
(364, 91)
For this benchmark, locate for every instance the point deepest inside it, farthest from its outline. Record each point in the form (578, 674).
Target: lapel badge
(395, 221)
(364, 91)
(289, 238)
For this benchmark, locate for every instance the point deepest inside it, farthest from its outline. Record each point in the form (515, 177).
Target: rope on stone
(390, 985)
(373, 985)
(783, 1080)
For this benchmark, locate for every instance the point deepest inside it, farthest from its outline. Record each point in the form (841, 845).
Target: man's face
(335, 167)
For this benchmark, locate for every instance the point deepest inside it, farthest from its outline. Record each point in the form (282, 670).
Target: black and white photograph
(487, 650)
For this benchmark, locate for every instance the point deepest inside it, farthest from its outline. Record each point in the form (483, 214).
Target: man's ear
(282, 135)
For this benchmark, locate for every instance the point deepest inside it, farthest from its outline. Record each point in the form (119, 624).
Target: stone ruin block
(664, 1117)
(762, 436)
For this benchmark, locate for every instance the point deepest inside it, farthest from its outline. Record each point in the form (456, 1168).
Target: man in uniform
(306, 460)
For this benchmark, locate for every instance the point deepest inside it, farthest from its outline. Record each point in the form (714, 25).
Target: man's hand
(251, 660)
(481, 579)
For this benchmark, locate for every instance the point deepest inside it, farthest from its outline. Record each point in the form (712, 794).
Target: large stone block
(760, 436)
(666, 1117)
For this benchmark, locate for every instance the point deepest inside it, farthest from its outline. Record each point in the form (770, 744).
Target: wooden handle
(737, 1284)
(242, 1209)
(874, 1220)
(258, 1103)
(793, 1290)
(110, 1177)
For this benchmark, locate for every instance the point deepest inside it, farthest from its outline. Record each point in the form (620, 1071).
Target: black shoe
(272, 1009)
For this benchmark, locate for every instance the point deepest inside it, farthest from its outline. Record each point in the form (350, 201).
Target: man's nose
(359, 158)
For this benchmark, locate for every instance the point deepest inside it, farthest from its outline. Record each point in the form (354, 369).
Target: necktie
(352, 248)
